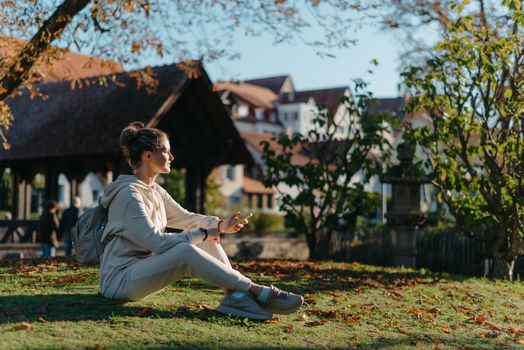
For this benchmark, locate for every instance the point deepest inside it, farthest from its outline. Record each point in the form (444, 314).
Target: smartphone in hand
(241, 218)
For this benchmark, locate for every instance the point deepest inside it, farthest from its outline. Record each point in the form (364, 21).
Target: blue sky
(260, 58)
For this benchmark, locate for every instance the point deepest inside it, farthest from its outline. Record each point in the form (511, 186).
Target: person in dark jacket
(47, 229)
(68, 221)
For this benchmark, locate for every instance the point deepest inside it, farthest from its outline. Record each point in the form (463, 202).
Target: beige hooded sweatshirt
(138, 216)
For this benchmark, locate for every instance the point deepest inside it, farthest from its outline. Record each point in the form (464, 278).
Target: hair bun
(130, 133)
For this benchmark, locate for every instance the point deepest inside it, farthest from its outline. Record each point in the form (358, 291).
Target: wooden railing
(18, 231)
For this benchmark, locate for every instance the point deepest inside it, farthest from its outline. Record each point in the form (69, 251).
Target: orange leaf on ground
(480, 319)
(280, 275)
(273, 320)
(446, 329)
(512, 330)
(23, 326)
(492, 326)
(288, 328)
(415, 311)
(520, 341)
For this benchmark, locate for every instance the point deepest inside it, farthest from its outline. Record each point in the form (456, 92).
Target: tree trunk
(312, 245)
(503, 266)
(51, 29)
(319, 244)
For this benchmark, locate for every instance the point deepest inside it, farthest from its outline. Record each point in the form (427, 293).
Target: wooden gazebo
(77, 131)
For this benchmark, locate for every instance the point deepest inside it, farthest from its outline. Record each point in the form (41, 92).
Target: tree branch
(51, 29)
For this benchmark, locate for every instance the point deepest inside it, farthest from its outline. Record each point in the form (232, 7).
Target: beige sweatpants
(207, 261)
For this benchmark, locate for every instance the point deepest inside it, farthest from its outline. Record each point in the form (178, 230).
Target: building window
(270, 201)
(230, 173)
(294, 115)
(260, 201)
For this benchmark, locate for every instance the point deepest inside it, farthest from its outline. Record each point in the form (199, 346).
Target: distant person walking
(47, 230)
(68, 221)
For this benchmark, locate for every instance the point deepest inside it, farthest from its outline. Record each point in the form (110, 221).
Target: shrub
(264, 222)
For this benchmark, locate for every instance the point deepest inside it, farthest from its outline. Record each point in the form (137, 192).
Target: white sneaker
(282, 302)
(242, 304)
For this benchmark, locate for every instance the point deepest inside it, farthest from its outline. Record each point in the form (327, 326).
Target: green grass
(349, 306)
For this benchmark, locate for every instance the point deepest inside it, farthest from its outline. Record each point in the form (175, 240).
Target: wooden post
(15, 194)
(202, 192)
(73, 189)
(28, 191)
(51, 184)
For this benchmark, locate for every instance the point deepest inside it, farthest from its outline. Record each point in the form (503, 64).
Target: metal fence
(438, 249)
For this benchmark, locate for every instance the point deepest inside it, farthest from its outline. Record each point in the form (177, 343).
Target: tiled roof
(250, 185)
(70, 66)
(82, 121)
(88, 121)
(272, 83)
(330, 98)
(254, 139)
(394, 106)
(302, 154)
(254, 95)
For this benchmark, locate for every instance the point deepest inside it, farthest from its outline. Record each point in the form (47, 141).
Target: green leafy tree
(175, 184)
(472, 89)
(265, 222)
(215, 200)
(320, 167)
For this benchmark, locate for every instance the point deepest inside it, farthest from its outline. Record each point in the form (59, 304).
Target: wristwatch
(204, 231)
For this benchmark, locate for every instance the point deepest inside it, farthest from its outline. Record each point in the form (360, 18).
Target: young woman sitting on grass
(141, 258)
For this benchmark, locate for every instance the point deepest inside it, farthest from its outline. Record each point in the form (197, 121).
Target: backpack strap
(106, 240)
(108, 237)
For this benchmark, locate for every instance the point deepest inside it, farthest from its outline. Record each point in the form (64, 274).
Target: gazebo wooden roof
(77, 131)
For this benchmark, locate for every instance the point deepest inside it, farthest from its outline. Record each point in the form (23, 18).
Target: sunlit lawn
(56, 306)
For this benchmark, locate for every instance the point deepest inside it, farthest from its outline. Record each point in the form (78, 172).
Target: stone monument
(405, 217)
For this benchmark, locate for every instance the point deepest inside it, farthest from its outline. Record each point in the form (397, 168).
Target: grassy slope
(56, 306)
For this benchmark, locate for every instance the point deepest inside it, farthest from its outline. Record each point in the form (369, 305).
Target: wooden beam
(15, 176)
(51, 183)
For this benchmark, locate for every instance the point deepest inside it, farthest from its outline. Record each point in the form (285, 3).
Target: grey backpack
(87, 235)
